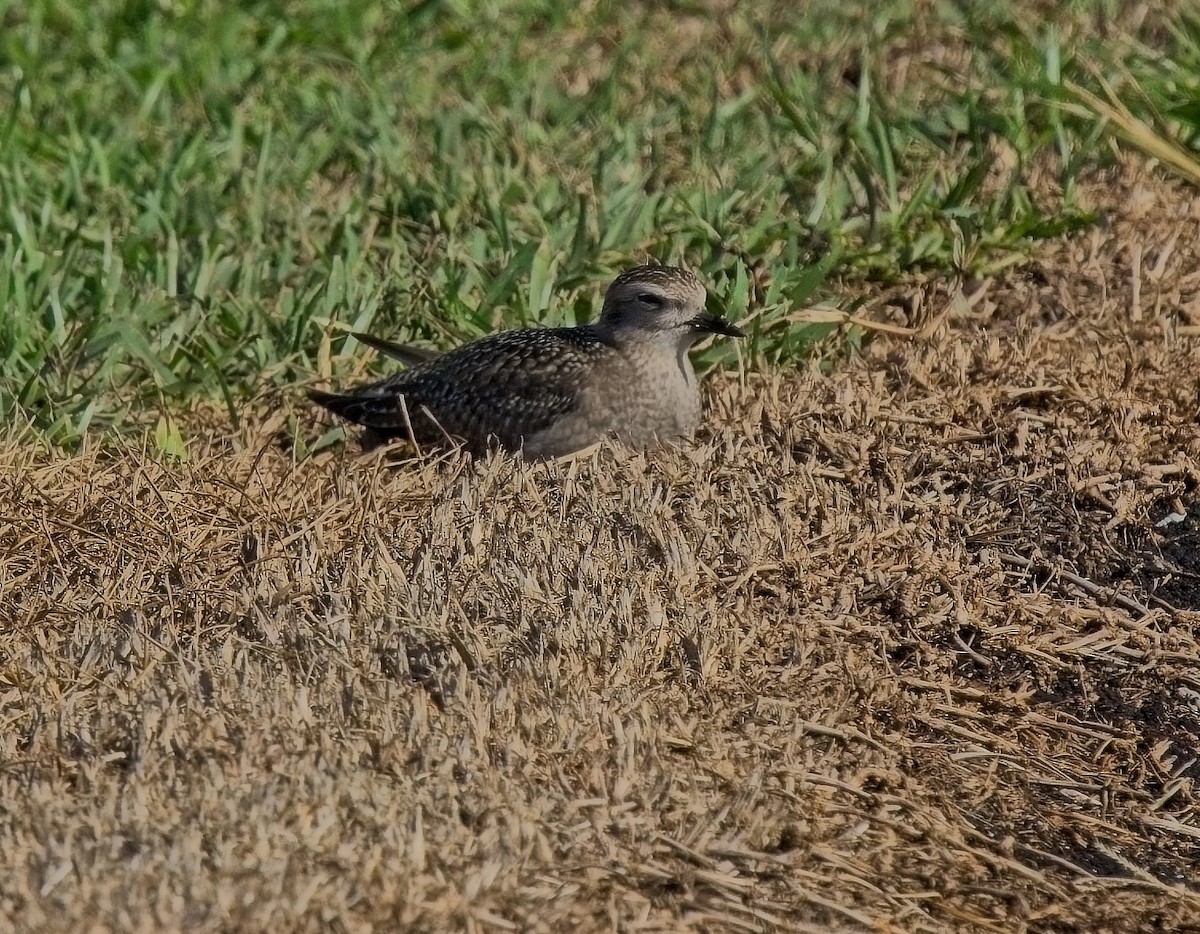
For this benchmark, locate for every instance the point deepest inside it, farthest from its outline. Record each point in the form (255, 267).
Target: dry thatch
(898, 648)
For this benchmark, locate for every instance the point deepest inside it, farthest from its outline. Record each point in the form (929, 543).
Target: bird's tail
(377, 411)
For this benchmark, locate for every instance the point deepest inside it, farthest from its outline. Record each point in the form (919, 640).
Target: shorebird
(549, 392)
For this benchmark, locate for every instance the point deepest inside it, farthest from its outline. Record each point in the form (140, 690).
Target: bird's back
(511, 387)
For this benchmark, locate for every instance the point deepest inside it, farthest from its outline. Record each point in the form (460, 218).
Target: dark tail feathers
(375, 411)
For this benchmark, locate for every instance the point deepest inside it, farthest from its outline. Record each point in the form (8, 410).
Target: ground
(907, 642)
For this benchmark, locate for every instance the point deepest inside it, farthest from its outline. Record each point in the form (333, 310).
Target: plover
(548, 392)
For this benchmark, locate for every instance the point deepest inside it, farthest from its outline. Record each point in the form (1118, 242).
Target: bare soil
(910, 645)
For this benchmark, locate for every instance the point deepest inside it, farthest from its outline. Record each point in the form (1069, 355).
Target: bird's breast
(641, 395)
(660, 397)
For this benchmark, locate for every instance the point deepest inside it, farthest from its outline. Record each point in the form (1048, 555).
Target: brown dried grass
(879, 652)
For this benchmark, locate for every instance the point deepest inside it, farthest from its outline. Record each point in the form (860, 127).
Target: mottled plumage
(552, 391)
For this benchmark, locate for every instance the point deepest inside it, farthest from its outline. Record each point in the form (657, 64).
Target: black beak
(715, 324)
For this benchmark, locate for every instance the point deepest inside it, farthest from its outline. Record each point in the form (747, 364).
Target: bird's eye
(649, 298)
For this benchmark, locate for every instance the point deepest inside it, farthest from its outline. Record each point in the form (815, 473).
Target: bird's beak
(715, 324)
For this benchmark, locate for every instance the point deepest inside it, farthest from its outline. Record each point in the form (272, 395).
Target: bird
(550, 392)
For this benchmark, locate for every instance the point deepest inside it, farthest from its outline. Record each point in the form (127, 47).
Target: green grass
(198, 201)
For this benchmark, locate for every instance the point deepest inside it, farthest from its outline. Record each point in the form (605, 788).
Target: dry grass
(893, 649)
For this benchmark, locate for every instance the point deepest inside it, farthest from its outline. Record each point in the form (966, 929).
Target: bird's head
(661, 300)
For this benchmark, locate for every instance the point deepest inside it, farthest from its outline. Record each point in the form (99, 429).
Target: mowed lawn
(905, 641)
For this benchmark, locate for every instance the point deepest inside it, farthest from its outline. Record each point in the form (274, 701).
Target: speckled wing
(510, 386)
